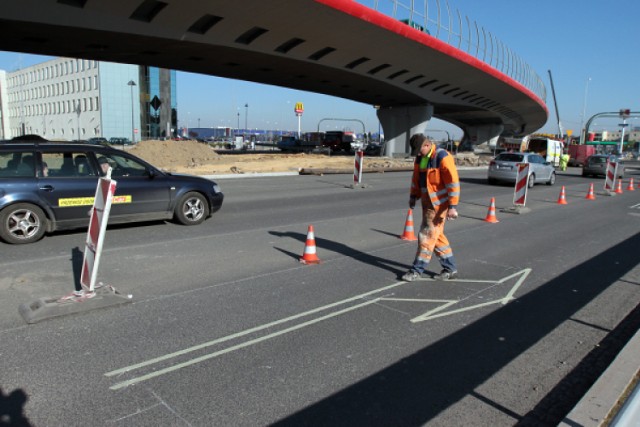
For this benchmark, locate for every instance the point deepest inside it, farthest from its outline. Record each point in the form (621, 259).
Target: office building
(71, 99)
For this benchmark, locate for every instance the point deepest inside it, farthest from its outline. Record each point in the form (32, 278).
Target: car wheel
(192, 209)
(552, 179)
(532, 181)
(22, 223)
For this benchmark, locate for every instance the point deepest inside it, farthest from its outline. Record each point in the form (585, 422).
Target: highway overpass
(335, 47)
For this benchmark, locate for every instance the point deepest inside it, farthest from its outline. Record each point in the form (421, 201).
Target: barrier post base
(354, 186)
(516, 209)
(47, 308)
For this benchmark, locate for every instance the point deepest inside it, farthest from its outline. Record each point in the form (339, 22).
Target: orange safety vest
(439, 180)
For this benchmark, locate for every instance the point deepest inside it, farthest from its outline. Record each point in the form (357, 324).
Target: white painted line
(248, 331)
(238, 346)
(524, 273)
(431, 314)
(428, 279)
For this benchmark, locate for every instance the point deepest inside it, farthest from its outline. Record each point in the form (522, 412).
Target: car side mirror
(151, 173)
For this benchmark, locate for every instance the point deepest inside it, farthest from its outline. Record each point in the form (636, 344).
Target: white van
(550, 149)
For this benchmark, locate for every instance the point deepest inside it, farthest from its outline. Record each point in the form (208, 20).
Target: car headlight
(216, 188)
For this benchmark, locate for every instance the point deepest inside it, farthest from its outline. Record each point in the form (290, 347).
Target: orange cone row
(310, 257)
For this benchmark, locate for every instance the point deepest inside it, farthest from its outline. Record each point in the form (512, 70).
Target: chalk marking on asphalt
(445, 303)
(238, 346)
(431, 314)
(429, 279)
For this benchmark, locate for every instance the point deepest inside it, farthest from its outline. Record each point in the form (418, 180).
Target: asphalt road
(227, 328)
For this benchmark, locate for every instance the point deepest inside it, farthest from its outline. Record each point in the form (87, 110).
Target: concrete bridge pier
(482, 135)
(399, 123)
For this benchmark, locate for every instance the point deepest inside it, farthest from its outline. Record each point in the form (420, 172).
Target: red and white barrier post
(95, 235)
(522, 181)
(610, 177)
(357, 168)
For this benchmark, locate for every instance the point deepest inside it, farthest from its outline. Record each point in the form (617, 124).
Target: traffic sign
(155, 102)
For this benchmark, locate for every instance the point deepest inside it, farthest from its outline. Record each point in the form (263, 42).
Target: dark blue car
(48, 186)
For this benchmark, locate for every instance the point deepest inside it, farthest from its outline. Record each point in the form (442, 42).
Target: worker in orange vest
(436, 184)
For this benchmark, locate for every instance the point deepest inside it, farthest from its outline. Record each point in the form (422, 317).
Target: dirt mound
(171, 155)
(199, 159)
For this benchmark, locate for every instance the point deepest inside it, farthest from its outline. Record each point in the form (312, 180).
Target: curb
(607, 396)
(321, 172)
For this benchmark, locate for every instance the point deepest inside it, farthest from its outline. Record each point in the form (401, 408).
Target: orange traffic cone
(309, 256)
(630, 186)
(590, 194)
(409, 233)
(619, 187)
(491, 214)
(562, 200)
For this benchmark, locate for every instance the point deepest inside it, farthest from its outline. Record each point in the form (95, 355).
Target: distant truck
(548, 148)
(578, 154)
(338, 140)
(295, 145)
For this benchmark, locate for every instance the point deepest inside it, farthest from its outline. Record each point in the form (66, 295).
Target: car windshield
(510, 157)
(598, 160)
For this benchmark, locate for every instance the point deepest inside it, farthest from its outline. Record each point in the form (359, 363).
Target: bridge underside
(339, 48)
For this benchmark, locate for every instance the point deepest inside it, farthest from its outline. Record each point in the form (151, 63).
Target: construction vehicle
(578, 154)
(548, 148)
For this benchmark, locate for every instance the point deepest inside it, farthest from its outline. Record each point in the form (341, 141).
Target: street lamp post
(246, 115)
(584, 112)
(133, 136)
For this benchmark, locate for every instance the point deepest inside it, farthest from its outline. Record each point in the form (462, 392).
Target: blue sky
(577, 40)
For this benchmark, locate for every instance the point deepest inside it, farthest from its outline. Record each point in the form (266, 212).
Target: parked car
(505, 168)
(49, 186)
(120, 141)
(98, 140)
(597, 165)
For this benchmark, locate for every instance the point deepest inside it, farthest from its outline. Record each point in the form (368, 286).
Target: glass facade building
(71, 99)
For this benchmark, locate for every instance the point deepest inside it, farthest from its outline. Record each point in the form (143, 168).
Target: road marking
(435, 313)
(249, 331)
(238, 346)
(431, 314)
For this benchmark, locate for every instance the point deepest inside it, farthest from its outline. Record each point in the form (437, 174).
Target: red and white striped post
(610, 177)
(95, 235)
(357, 168)
(522, 181)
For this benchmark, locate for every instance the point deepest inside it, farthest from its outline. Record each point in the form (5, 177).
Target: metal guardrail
(437, 18)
